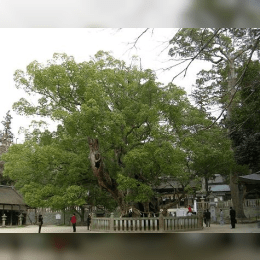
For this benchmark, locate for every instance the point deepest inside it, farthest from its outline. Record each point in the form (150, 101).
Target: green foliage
(226, 49)
(6, 139)
(145, 131)
(210, 153)
(245, 121)
(51, 170)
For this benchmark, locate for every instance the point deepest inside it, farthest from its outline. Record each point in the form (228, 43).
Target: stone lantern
(20, 219)
(3, 220)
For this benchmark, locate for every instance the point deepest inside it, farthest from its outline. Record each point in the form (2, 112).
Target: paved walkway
(214, 228)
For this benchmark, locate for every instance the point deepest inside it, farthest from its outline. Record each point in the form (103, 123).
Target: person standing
(73, 221)
(189, 211)
(88, 221)
(40, 220)
(232, 214)
(207, 215)
(221, 217)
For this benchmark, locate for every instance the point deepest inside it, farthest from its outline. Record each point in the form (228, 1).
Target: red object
(189, 209)
(73, 219)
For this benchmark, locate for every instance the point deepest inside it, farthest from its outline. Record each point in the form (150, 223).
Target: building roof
(8, 195)
(168, 185)
(217, 179)
(219, 188)
(251, 178)
(172, 184)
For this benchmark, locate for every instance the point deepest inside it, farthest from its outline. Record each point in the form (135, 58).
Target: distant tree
(227, 50)
(209, 154)
(245, 120)
(6, 139)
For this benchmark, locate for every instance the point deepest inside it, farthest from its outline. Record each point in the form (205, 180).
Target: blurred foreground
(90, 246)
(126, 246)
(128, 13)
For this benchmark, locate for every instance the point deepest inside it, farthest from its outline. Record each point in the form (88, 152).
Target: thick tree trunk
(103, 177)
(237, 195)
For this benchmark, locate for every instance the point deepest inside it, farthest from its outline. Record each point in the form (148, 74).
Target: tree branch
(238, 81)
(195, 57)
(137, 39)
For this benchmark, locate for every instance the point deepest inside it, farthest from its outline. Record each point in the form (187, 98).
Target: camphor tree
(227, 50)
(114, 118)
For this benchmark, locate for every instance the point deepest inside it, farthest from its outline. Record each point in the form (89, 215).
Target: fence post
(112, 222)
(200, 219)
(161, 222)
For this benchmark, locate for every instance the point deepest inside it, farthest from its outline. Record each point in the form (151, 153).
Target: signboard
(58, 216)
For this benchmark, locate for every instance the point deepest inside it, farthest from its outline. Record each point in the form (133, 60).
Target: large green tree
(227, 50)
(119, 121)
(113, 108)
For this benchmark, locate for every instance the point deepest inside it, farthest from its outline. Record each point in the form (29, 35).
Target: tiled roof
(8, 195)
(170, 184)
(251, 178)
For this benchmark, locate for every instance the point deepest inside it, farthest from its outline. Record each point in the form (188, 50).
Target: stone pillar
(35, 216)
(20, 219)
(200, 219)
(112, 222)
(3, 220)
(212, 208)
(94, 223)
(213, 211)
(161, 222)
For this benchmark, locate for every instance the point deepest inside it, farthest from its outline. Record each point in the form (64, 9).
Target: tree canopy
(230, 51)
(117, 127)
(245, 121)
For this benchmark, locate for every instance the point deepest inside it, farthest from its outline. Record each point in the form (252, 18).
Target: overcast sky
(19, 47)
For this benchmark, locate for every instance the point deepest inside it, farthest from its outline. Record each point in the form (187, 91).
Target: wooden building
(251, 184)
(12, 205)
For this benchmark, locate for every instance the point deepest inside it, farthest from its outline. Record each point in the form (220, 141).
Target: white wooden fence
(153, 224)
(181, 223)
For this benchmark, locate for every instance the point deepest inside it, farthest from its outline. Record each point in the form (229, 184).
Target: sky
(19, 47)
